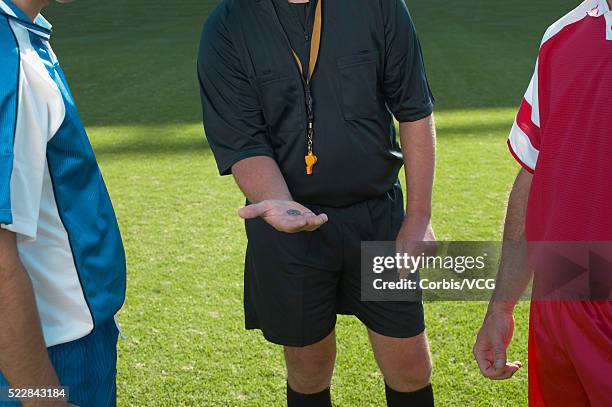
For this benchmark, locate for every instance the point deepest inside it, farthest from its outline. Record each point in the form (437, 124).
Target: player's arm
(24, 360)
(512, 280)
(514, 274)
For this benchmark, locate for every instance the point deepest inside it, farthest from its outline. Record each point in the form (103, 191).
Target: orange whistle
(310, 160)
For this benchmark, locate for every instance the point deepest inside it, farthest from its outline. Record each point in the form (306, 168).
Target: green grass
(132, 69)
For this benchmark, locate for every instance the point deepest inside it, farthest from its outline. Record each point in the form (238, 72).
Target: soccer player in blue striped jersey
(62, 263)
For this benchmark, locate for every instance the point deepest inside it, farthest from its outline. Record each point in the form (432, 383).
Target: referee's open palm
(285, 216)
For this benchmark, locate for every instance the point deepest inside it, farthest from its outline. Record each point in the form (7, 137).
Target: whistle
(310, 160)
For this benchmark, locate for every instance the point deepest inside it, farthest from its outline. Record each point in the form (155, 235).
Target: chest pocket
(281, 99)
(358, 86)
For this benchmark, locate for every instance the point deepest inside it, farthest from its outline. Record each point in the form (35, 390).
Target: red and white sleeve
(524, 139)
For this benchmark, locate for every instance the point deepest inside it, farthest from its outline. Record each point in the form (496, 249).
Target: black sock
(419, 398)
(295, 399)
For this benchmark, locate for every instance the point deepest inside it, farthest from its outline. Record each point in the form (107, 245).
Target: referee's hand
(491, 344)
(285, 216)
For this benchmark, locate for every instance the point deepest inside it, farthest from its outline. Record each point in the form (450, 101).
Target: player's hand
(491, 344)
(285, 216)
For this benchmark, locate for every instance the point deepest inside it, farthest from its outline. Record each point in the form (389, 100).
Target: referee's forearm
(24, 360)
(260, 179)
(418, 140)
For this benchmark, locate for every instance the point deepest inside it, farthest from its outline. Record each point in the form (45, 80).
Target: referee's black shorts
(296, 284)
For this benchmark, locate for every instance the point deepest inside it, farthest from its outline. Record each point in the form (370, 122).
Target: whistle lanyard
(315, 44)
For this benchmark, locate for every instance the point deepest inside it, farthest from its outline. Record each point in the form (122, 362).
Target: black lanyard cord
(315, 45)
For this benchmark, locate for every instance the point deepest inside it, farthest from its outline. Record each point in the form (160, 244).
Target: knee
(410, 375)
(309, 373)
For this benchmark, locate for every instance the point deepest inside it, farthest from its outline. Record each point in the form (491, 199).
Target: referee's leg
(291, 283)
(309, 373)
(396, 329)
(406, 366)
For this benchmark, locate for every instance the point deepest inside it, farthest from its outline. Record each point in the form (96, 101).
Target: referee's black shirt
(370, 69)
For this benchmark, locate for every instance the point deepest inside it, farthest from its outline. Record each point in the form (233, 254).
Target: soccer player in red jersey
(562, 137)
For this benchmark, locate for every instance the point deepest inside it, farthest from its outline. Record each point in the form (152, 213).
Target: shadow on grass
(135, 62)
(478, 130)
(174, 140)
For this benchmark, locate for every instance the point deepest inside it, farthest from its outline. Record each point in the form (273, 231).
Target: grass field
(132, 69)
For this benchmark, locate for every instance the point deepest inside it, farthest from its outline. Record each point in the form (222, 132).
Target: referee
(298, 100)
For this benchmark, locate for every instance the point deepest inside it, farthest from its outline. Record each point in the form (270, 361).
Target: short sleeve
(406, 88)
(22, 147)
(524, 139)
(233, 118)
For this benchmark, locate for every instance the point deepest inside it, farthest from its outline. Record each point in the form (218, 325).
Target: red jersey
(563, 131)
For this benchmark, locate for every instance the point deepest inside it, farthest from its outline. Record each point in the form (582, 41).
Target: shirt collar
(287, 6)
(40, 26)
(600, 7)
